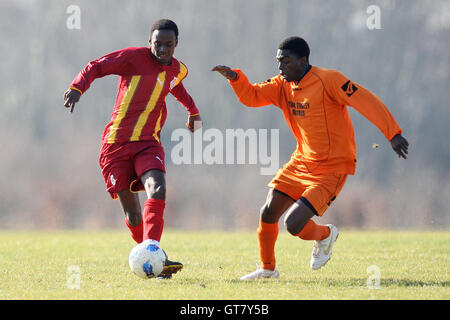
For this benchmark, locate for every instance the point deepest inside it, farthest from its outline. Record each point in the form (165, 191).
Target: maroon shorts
(123, 164)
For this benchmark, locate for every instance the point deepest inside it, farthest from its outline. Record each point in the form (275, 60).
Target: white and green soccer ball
(147, 259)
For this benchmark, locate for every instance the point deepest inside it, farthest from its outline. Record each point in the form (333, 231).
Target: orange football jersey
(316, 111)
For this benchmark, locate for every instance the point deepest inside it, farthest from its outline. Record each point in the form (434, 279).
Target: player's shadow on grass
(390, 282)
(384, 282)
(350, 282)
(355, 282)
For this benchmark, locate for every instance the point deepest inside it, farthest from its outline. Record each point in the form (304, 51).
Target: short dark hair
(296, 45)
(164, 24)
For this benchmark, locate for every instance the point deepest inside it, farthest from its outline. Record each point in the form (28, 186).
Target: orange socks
(268, 233)
(313, 231)
(267, 236)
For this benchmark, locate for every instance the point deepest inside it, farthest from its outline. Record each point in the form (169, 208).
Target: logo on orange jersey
(349, 88)
(298, 108)
(299, 105)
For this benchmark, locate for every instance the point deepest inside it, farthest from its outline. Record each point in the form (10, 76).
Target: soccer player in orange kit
(132, 156)
(313, 101)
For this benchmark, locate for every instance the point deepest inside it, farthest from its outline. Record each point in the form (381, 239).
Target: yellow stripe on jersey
(180, 76)
(157, 127)
(149, 107)
(124, 105)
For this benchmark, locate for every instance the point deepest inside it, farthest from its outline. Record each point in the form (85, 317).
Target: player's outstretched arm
(227, 72)
(400, 145)
(116, 62)
(71, 96)
(251, 95)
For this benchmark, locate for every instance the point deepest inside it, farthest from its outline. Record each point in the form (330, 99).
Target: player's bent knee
(155, 184)
(267, 215)
(156, 190)
(293, 225)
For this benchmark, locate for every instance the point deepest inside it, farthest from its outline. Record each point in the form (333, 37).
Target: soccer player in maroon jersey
(132, 156)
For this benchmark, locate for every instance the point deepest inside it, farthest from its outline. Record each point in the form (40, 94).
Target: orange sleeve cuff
(399, 131)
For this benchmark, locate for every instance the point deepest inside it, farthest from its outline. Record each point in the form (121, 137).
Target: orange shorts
(318, 189)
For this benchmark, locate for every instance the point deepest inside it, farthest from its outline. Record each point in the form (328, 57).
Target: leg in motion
(132, 210)
(155, 186)
(298, 222)
(276, 204)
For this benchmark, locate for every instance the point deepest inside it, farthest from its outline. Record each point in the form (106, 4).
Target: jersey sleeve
(347, 92)
(258, 94)
(112, 63)
(179, 92)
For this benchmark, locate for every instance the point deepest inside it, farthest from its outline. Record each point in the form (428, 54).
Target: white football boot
(261, 273)
(322, 248)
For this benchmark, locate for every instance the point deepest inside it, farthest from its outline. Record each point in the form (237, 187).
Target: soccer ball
(147, 260)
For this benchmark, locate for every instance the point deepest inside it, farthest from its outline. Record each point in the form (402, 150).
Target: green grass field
(38, 265)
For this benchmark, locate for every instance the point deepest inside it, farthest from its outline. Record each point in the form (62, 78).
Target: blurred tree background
(49, 173)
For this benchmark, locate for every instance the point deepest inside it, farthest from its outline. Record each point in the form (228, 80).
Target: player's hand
(71, 97)
(227, 72)
(400, 146)
(194, 122)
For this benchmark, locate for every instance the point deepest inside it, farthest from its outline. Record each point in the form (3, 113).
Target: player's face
(163, 43)
(291, 67)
